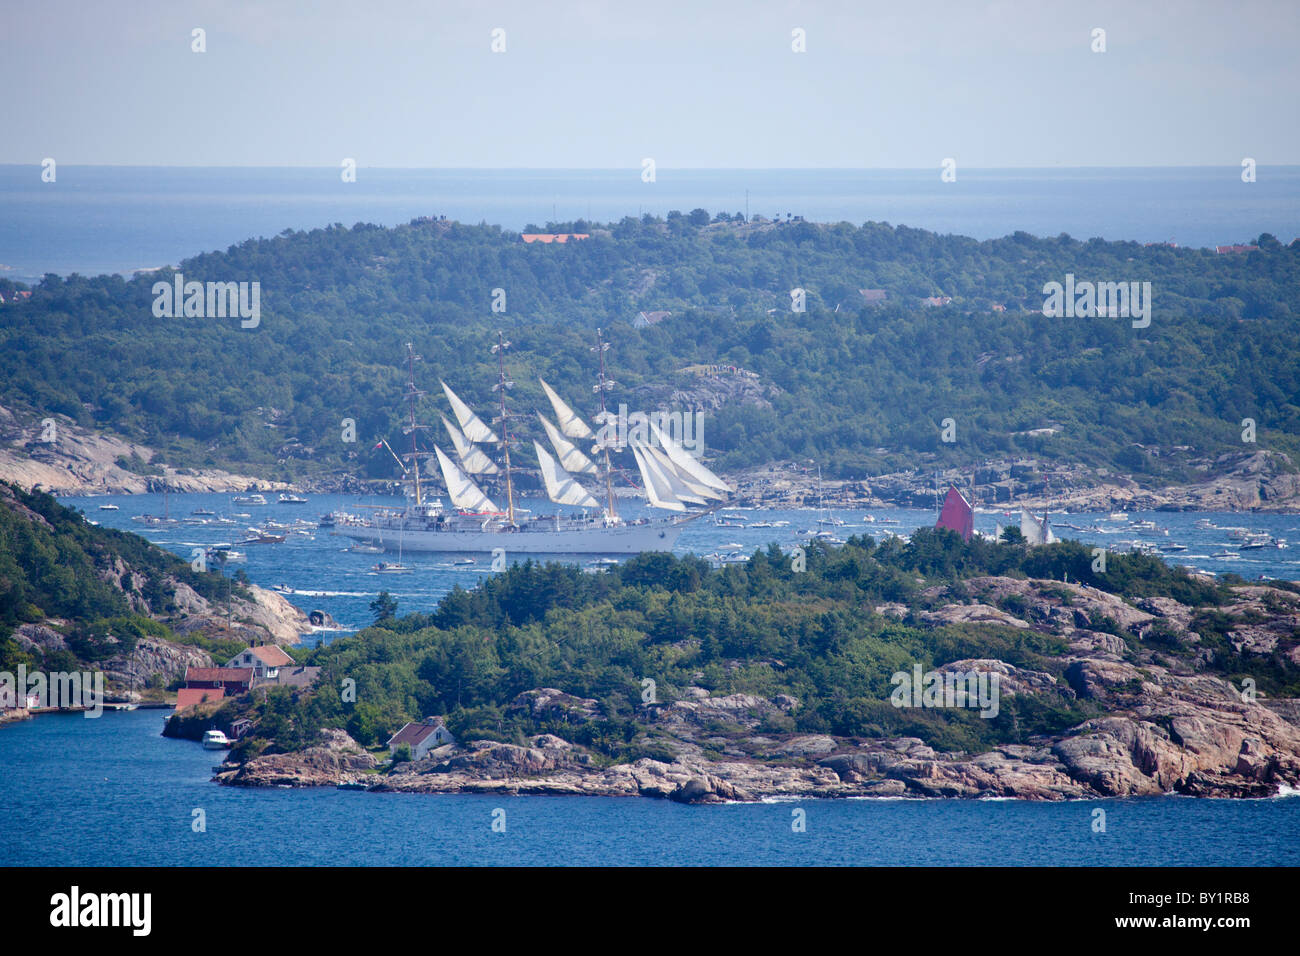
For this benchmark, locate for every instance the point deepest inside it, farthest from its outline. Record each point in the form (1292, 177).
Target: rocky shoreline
(1164, 727)
(1248, 481)
(87, 462)
(66, 459)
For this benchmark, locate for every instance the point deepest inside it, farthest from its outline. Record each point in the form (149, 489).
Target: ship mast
(602, 385)
(412, 396)
(501, 386)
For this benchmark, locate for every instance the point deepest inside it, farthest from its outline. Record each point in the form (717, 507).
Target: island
(666, 678)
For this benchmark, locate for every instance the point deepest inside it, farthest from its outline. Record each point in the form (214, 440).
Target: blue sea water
(98, 219)
(112, 792)
(320, 574)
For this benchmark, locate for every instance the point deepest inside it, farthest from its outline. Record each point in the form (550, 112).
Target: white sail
(472, 458)
(688, 463)
(560, 485)
(570, 423)
(470, 423)
(683, 485)
(664, 475)
(657, 492)
(571, 459)
(1034, 530)
(462, 491)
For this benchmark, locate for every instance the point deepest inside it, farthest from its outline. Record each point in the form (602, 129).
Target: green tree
(383, 607)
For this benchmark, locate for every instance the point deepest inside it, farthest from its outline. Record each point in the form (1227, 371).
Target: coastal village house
(193, 696)
(265, 660)
(231, 680)
(262, 666)
(421, 737)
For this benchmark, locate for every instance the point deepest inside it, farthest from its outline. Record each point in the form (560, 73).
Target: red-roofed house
(233, 680)
(421, 738)
(265, 660)
(193, 696)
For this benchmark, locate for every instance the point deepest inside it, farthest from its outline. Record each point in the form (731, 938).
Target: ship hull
(625, 539)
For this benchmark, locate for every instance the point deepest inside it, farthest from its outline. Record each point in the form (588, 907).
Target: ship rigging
(672, 479)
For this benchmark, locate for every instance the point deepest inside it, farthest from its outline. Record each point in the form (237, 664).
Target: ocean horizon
(121, 219)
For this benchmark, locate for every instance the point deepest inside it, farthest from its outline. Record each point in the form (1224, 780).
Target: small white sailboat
(394, 567)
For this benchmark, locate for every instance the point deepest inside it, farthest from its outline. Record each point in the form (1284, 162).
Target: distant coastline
(113, 219)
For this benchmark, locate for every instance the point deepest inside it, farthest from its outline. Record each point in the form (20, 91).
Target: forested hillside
(94, 591)
(860, 387)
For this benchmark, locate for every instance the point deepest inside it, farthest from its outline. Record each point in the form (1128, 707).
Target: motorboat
(257, 536)
(215, 740)
(291, 500)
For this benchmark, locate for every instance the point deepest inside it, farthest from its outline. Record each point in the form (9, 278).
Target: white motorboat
(215, 740)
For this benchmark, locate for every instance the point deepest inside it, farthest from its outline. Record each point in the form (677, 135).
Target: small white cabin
(421, 737)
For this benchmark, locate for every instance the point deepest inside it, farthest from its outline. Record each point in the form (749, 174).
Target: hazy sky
(691, 84)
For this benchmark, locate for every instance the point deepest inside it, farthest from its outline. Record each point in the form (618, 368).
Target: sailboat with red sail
(957, 514)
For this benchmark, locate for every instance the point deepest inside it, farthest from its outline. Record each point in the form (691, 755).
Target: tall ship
(672, 481)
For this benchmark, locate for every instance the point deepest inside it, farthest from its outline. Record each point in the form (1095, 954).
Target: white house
(421, 737)
(265, 660)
